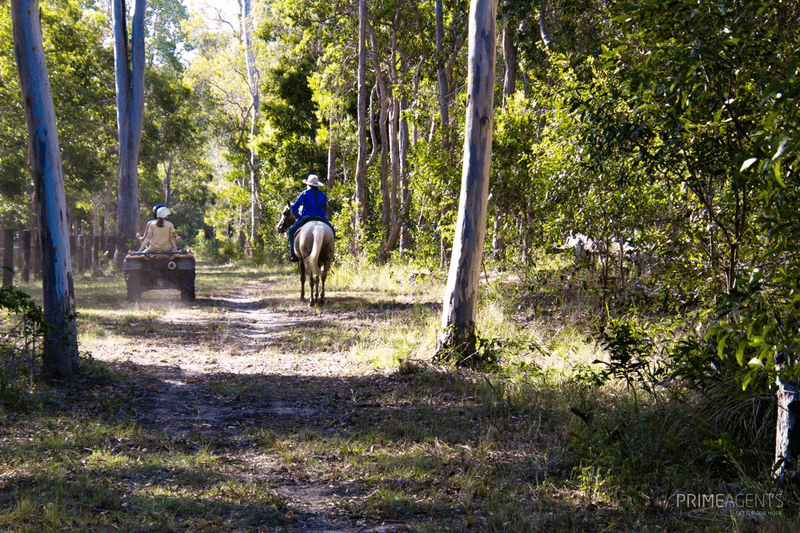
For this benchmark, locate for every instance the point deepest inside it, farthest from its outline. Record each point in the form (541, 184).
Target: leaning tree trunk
(129, 78)
(60, 350)
(457, 337)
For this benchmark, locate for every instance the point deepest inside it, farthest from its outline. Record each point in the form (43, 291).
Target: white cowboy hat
(313, 180)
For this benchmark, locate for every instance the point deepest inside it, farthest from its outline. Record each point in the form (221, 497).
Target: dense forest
(648, 147)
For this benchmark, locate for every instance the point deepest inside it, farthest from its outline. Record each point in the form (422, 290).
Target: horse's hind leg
(302, 280)
(322, 282)
(313, 282)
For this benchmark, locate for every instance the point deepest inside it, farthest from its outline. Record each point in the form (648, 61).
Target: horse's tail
(312, 261)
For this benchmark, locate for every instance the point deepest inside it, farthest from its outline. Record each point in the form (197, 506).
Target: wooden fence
(21, 254)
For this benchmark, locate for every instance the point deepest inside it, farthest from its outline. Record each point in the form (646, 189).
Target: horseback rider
(311, 204)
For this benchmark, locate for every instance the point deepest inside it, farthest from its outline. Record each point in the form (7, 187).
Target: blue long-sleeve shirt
(310, 202)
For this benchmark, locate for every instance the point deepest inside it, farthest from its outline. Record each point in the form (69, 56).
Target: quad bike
(160, 270)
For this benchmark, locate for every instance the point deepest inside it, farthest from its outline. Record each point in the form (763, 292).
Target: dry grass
(250, 412)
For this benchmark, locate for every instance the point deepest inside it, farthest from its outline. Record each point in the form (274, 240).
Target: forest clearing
(250, 411)
(564, 241)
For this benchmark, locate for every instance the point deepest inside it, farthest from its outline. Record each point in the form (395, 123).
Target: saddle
(317, 218)
(309, 218)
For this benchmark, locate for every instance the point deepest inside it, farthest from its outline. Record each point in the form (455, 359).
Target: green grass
(537, 445)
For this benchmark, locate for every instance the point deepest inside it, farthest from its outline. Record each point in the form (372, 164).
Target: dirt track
(255, 358)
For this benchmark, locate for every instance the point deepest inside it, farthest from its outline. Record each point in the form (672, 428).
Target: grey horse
(314, 246)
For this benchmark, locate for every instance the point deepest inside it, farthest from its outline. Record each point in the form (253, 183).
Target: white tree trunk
(461, 294)
(331, 176)
(441, 72)
(361, 162)
(129, 77)
(61, 342)
(510, 59)
(787, 429)
(255, 104)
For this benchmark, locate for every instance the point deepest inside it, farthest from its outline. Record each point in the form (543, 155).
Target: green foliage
(79, 68)
(630, 352)
(22, 327)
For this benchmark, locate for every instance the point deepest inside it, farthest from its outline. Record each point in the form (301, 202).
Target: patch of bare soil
(248, 359)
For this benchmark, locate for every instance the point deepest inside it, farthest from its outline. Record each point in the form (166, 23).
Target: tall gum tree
(129, 60)
(60, 357)
(459, 312)
(361, 162)
(255, 105)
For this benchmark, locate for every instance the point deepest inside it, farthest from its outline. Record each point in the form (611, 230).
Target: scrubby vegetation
(581, 419)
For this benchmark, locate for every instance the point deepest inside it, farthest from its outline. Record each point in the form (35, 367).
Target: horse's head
(287, 219)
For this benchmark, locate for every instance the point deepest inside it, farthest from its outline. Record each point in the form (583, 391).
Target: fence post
(36, 260)
(87, 253)
(81, 252)
(8, 257)
(26, 255)
(96, 253)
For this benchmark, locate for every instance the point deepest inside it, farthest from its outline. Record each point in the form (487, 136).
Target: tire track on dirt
(199, 392)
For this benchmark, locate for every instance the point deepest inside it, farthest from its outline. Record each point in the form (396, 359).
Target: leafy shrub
(22, 327)
(630, 351)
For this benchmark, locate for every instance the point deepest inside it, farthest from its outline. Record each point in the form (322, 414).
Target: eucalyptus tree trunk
(405, 185)
(168, 179)
(787, 427)
(542, 26)
(255, 105)
(444, 117)
(457, 336)
(393, 220)
(129, 78)
(444, 84)
(361, 161)
(331, 176)
(384, 101)
(509, 58)
(60, 350)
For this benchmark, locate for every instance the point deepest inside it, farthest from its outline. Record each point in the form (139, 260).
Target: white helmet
(163, 212)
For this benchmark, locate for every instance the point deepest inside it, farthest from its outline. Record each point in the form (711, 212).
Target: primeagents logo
(743, 502)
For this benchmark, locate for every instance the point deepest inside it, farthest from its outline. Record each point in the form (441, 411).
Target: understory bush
(22, 329)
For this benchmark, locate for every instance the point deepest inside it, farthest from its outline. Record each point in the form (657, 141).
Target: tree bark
(331, 176)
(384, 101)
(510, 58)
(8, 257)
(444, 84)
(60, 350)
(361, 161)
(255, 105)
(391, 191)
(26, 255)
(129, 78)
(787, 428)
(457, 336)
(542, 27)
(168, 180)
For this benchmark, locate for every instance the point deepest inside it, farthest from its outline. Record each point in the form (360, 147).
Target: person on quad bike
(159, 235)
(311, 204)
(147, 227)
